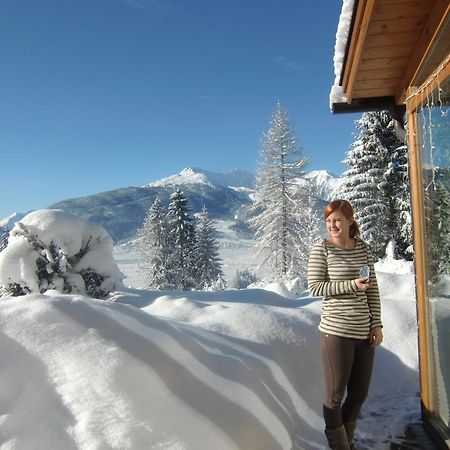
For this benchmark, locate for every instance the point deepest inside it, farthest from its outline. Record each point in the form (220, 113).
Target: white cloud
(290, 63)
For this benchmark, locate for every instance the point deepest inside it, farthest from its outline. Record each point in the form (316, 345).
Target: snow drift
(188, 370)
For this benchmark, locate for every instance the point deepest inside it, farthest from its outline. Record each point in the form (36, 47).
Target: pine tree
(376, 184)
(398, 183)
(182, 241)
(281, 200)
(208, 267)
(153, 246)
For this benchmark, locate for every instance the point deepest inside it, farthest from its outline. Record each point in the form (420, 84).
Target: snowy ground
(189, 370)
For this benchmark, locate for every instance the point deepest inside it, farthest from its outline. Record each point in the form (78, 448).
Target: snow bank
(235, 369)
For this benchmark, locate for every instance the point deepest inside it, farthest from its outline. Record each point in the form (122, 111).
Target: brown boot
(350, 430)
(337, 438)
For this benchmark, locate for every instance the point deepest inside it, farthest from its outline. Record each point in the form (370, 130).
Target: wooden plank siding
(392, 39)
(385, 36)
(409, 24)
(436, 19)
(397, 2)
(397, 10)
(389, 73)
(379, 64)
(370, 93)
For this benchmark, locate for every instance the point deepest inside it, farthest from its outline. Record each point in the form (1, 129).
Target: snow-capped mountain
(324, 183)
(192, 175)
(122, 211)
(8, 222)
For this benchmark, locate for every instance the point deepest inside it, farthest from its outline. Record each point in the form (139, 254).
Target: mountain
(226, 195)
(235, 178)
(122, 211)
(324, 183)
(8, 222)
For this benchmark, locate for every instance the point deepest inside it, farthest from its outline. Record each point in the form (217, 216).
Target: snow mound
(229, 370)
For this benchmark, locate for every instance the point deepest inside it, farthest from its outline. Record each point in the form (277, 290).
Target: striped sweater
(346, 311)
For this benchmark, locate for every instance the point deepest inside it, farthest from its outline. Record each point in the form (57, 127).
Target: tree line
(179, 252)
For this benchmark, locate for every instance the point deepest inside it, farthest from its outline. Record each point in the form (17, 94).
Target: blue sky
(102, 94)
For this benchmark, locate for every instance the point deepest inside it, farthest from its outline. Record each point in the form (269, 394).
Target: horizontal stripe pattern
(332, 271)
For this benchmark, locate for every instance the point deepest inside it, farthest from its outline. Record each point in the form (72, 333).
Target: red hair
(346, 209)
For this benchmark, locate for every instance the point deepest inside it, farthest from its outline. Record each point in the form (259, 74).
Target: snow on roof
(337, 93)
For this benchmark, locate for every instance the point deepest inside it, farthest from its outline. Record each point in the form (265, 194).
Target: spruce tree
(153, 246)
(281, 200)
(208, 266)
(397, 177)
(376, 184)
(182, 241)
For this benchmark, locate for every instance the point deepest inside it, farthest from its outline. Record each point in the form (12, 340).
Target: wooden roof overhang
(392, 45)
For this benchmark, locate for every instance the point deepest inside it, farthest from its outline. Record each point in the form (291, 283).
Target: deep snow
(189, 370)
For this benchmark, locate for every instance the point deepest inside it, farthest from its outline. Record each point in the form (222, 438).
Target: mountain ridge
(122, 211)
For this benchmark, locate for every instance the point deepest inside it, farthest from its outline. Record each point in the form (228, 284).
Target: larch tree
(281, 200)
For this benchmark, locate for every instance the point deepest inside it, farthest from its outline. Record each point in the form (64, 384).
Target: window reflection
(434, 121)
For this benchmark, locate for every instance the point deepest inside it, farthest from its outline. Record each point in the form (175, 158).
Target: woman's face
(338, 226)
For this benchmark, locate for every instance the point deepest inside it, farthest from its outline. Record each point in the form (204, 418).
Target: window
(433, 130)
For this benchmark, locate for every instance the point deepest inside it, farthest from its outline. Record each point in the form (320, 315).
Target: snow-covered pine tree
(438, 230)
(208, 265)
(374, 182)
(182, 241)
(397, 176)
(280, 200)
(153, 246)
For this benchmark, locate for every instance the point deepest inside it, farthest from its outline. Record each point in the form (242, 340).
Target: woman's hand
(362, 283)
(375, 337)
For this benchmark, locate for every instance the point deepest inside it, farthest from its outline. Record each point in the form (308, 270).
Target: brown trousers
(347, 366)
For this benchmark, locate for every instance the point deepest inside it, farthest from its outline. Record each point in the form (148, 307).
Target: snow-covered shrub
(50, 249)
(243, 279)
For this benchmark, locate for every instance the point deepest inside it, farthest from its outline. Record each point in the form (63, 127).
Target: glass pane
(434, 121)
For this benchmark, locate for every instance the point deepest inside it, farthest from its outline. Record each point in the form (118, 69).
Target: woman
(350, 324)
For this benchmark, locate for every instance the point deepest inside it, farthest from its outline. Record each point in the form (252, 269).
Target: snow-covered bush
(50, 249)
(243, 279)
